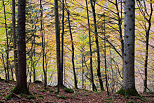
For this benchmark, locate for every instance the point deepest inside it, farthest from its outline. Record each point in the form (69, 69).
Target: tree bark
(73, 64)
(147, 46)
(129, 49)
(62, 47)
(97, 46)
(57, 40)
(44, 71)
(14, 38)
(21, 86)
(91, 68)
(105, 61)
(129, 45)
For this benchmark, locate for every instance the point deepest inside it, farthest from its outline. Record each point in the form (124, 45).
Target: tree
(21, 86)
(57, 40)
(91, 68)
(97, 46)
(73, 64)
(143, 10)
(14, 38)
(62, 47)
(43, 56)
(7, 43)
(128, 87)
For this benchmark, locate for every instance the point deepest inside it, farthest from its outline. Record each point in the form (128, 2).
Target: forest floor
(79, 95)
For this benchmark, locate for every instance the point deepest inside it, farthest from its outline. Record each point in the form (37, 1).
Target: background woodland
(78, 47)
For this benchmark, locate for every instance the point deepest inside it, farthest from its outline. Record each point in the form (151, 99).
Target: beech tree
(97, 46)
(128, 87)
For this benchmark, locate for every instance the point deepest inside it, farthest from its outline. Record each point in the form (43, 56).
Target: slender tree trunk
(120, 30)
(4, 66)
(105, 58)
(73, 64)
(83, 87)
(97, 46)
(7, 43)
(34, 75)
(44, 71)
(91, 68)
(57, 40)
(14, 38)
(147, 47)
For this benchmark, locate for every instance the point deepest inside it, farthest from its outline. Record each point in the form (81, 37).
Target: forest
(69, 51)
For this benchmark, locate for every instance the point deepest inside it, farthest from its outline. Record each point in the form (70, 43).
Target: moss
(22, 95)
(77, 93)
(68, 90)
(9, 96)
(30, 97)
(41, 90)
(41, 96)
(102, 100)
(86, 94)
(95, 92)
(85, 90)
(61, 96)
(128, 92)
(130, 102)
(50, 90)
(1, 101)
(1, 91)
(16, 90)
(73, 95)
(34, 92)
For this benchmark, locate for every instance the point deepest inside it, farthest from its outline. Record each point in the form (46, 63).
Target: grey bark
(129, 45)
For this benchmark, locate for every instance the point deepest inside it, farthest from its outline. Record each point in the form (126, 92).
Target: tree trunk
(91, 68)
(129, 47)
(75, 79)
(34, 75)
(7, 44)
(57, 40)
(97, 46)
(147, 47)
(14, 38)
(120, 30)
(62, 47)
(44, 71)
(105, 58)
(21, 86)
(83, 87)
